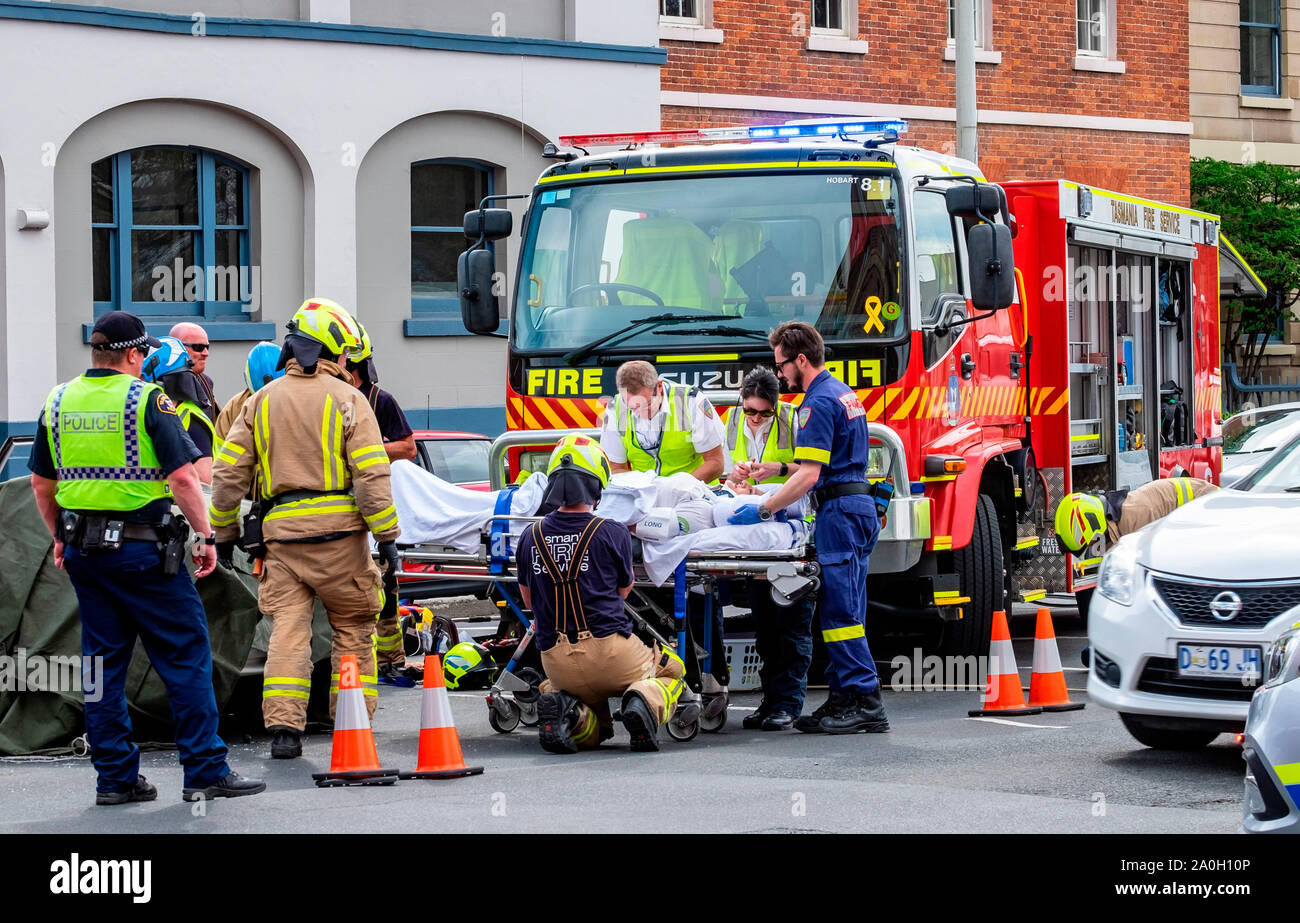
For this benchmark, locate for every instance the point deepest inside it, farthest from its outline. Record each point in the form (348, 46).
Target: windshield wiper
(722, 331)
(585, 350)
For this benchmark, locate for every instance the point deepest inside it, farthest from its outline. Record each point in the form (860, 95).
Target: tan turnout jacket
(306, 432)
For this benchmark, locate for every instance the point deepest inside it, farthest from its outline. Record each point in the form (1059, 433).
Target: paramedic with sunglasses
(762, 449)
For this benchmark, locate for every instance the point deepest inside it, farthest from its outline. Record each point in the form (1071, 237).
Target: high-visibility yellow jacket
(306, 433)
(780, 443)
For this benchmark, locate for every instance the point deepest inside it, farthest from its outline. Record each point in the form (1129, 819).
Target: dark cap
(120, 330)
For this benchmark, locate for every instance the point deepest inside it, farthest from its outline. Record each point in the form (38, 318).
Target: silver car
(1271, 745)
(1251, 435)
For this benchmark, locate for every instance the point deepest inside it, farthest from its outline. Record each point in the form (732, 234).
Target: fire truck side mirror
(478, 302)
(970, 200)
(992, 267)
(488, 223)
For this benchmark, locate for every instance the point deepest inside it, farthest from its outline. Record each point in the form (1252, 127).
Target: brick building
(1065, 89)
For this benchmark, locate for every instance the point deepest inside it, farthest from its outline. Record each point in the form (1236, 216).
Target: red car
(458, 458)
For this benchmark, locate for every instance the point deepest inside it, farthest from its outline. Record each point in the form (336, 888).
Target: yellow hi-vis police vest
(675, 452)
(103, 456)
(187, 411)
(780, 438)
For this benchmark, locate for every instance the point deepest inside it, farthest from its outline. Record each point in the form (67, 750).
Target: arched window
(441, 192)
(170, 234)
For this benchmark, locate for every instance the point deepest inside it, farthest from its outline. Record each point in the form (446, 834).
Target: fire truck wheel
(979, 567)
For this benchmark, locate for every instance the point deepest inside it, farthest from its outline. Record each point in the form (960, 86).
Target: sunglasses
(783, 363)
(198, 347)
(752, 412)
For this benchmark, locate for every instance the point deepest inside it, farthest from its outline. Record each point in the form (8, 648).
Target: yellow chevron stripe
(1060, 403)
(876, 409)
(905, 409)
(1042, 396)
(938, 400)
(890, 394)
(549, 414)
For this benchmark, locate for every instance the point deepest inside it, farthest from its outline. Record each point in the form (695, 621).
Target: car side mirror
(488, 223)
(474, 281)
(992, 267)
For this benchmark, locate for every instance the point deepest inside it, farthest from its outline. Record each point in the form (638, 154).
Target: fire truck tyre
(1163, 738)
(979, 568)
(613, 288)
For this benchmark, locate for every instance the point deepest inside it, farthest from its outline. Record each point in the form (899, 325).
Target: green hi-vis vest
(675, 452)
(104, 457)
(780, 438)
(187, 411)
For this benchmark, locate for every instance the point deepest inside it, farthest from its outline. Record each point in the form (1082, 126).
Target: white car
(1186, 607)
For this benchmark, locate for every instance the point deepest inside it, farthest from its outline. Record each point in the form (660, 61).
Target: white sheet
(433, 512)
(662, 558)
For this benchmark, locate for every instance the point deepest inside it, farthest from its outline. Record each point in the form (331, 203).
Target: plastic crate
(743, 662)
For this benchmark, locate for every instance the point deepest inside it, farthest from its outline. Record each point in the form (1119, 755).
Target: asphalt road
(936, 771)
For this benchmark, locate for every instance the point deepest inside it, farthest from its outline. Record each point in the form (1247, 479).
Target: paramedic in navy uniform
(832, 448)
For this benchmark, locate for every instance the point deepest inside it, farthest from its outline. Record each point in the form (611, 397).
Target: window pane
(1091, 31)
(230, 194)
(102, 263)
(826, 14)
(153, 265)
(164, 186)
(979, 21)
(684, 9)
(441, 193)
(1263, 11)
(936, 250)
(433, 261)
(101, 191)
(1257, 56)
(226, 262)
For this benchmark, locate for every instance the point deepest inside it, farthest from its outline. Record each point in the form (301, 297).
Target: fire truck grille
(1190, 602)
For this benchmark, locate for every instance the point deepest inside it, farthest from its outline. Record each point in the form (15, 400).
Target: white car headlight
(1120, 574)
(1282, 659)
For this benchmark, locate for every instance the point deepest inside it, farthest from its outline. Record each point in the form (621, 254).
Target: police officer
(1081, 518)
(399, 444)
(762, 448)
(833, 455)
(311, 441)
(109, 458)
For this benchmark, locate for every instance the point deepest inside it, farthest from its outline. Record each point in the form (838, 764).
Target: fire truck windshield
(747, 251)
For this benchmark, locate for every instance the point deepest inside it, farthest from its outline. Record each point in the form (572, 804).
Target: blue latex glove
(746, 515)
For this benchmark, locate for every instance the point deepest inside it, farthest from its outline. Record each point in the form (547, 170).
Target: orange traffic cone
(439, 756)
(1003, 695)
(353, 760)
(1047, 682)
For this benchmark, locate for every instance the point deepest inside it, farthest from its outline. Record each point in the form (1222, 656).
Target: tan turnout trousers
(342, 573)
(388, 642)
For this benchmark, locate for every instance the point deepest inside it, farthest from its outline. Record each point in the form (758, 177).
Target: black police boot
(778, 721)
(141, 791)
(754, 721)
(812, 724)
(555, 714)
(640, 722)
(286, 743)
(232, 786)
(863, 712)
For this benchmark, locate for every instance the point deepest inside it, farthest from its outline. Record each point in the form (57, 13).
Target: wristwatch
(764, 513)
(210, 538)
(785, 470)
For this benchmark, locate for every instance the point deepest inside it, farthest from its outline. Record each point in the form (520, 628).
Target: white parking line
(1021, 724)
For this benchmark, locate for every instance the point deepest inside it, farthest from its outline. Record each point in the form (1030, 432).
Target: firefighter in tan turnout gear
(313, 443)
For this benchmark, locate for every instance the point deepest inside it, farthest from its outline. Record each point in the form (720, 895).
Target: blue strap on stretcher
(679, 607)
(499, 532)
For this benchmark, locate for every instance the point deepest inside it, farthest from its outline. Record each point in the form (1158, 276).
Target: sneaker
(141, 791)
(863, 712)
(754, 720)
(554, 717)
(286, 744)
(640, 723)
(232, 786)
(811, 724)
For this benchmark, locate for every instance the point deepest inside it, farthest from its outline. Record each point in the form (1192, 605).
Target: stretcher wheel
(683, 731)
(528, 716)
(713, 712)
(504, 724)
(534, 681)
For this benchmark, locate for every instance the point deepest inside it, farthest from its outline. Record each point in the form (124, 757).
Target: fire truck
(1010, 343)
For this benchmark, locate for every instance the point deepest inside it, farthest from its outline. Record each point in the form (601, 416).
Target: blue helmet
(260, 369)
(167, 357)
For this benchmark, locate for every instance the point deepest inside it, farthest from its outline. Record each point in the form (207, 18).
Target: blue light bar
(826, 129)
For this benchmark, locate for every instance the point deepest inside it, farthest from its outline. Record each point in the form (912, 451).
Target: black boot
(232, 786)
(286, 744)
(754, 720)
(862, 712)
(555, 714)
(640, 722)
(141, 791)
(812, 724)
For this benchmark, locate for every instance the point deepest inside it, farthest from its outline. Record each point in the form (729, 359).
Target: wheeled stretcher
(792, 574)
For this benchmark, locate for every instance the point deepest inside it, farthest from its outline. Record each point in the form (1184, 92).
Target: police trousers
(124, 595)
(342, 573)
(594, 670)
(846, 531)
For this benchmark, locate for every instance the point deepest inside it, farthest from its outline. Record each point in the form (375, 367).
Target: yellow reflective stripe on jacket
(229, 452)
(219, 518)
(262, 440)
(821, 456)
(314, 506)
(362, 465)
(382, 521)
(367, 451)
(847, 633)
(1183, 488)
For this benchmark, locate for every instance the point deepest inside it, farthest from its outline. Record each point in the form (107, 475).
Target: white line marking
(1020, 724)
